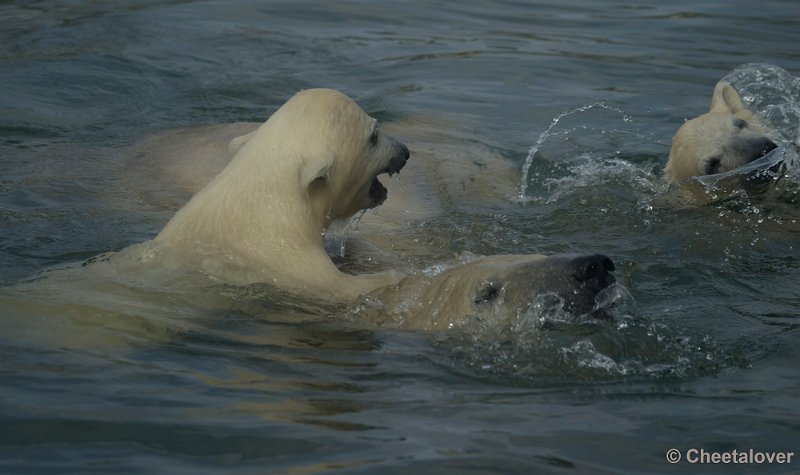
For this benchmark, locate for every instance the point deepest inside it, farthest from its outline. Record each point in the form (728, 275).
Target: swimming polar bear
(450, 174)
(253, 236)
(262, 218)
(495, 289)
(727, 137)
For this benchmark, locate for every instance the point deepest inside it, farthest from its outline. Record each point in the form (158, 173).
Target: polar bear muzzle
(579, 279)
(378, 192)
(760, 147)
(575, 280)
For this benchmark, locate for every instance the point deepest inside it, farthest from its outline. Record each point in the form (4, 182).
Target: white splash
(523, 188)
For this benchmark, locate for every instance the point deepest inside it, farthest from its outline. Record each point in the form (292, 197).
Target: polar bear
(262, 218)
(448, 174)
(256, 230)
(728, 136)
(492, 286)
(494, 289)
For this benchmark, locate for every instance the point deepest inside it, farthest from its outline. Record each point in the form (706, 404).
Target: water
(548, 134)
(702, 352)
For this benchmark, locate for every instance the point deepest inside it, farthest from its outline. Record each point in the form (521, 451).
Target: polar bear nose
(401, 157)
(404, 152)
(593, 270)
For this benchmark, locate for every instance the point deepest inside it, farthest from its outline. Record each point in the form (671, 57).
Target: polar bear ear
(237, 143)
(315, 170)
(726, 99)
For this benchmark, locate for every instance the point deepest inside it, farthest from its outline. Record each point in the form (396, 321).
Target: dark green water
(704, 353)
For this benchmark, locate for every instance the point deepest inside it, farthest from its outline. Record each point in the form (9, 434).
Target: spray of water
(523, 187)
(343, 233)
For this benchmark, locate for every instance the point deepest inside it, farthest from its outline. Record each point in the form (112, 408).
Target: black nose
(405, 153)
(593, 271)
(399, 159)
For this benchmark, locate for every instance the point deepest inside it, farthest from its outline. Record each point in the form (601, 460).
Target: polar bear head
(728, 136)
(335, 149)
(495, 288)
(263, 217)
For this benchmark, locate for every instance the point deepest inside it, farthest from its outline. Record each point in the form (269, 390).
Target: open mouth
(377, 192)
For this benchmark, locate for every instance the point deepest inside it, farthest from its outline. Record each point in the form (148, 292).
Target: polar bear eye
(739, 123)
(487, 292)
(373, 139)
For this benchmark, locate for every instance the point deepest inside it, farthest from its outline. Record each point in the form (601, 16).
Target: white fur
(494, 290)
(263, 218)
(728, 136)
(447, 173)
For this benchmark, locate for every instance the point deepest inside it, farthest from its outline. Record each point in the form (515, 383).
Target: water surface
(701, 354)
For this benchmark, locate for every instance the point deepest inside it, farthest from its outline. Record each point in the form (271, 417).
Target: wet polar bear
(253, 237)
(496, 289)
(727, 137)
(261, 220)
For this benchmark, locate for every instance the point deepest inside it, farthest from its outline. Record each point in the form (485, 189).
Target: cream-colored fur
(450, 173)
(262, 219)
(447, 174)
(167, 168)
(728, 136)
(495, 289)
